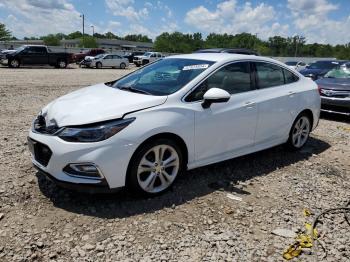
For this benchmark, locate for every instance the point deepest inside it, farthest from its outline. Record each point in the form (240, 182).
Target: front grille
(335, 93)
(41, 152)
(39, 126)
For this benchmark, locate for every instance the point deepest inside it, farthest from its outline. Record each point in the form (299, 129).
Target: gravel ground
(196, 221)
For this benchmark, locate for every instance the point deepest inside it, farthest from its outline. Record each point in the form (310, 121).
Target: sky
(322, 21)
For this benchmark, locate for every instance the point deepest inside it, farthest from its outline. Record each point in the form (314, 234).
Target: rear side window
(269, 75)
(289, 77)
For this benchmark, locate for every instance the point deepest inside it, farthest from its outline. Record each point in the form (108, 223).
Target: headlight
(94, 132)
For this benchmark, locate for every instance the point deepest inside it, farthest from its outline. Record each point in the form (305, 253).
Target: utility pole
(82, 15)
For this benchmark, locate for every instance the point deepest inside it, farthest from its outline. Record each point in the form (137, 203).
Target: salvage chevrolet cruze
(178, 113)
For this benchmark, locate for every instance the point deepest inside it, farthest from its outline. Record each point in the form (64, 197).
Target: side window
(108, 57)
(116, 57)
(234, 78)
(269, 75)
(153, 55)
(289, 77)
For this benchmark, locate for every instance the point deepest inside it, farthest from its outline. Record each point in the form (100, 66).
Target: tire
(61, 64)
(138, 65)
(99, 65)
(145, 62)
(122, 66)
(14, 63)
(299, 133)
(149, 176)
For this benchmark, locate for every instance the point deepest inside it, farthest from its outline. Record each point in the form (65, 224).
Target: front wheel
(99, 65)
(154, 167)
(14, 63)
(299, 133)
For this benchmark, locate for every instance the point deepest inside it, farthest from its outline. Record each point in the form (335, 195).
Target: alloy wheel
(301, 132)
(158, 168)
(14, 63)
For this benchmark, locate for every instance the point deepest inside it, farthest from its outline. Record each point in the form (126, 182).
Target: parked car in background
(178, 113)
(37, 55)
(146, 58)
(78, 57)
(241, 51)
(320, 68)
(334, 89)
(296, 65)
(108, 60)
(130, 56)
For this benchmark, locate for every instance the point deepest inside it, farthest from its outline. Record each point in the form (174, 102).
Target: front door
(227, 128)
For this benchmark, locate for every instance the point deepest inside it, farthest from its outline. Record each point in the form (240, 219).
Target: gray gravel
(196, 221)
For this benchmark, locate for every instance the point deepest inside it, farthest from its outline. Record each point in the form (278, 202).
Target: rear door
(277, 102)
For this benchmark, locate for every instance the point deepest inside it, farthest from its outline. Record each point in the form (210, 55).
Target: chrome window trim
(232, 62)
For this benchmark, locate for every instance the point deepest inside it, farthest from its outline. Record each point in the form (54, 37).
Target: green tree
(138, 38)
(75, 35)
(5, 34)
(88, 42)
(51, 40)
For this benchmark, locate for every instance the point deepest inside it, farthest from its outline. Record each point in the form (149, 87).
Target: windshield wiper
(135, 90)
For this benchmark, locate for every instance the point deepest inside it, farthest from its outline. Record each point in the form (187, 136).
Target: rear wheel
(145, 62)
(62, 64)
(122, 66)
(99, 65)
(14, 63)
(299, 133)
(155, 166)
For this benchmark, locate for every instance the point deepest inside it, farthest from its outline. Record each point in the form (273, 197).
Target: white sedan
(296, 65)
(179, 113)
(108, 60)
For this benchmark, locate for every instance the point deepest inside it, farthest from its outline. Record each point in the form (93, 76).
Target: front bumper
(4, 61)
(111, 156)
(138, 62)
(335, 105)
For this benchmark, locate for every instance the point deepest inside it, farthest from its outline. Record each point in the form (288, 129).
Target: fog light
(83, 170)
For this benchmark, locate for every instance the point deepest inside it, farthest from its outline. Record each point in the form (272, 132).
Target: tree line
(178, 42)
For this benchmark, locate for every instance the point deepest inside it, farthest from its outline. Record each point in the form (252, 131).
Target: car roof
(222, 57)
(244, 51)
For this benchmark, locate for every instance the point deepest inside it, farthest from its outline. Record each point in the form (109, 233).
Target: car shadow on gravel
(193, 184)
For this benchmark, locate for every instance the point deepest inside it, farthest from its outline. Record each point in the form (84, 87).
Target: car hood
(334, 83)
(95, 104)
(141, 56)
(308, 71)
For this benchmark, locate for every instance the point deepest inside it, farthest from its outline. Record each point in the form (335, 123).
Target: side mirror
(215, 95)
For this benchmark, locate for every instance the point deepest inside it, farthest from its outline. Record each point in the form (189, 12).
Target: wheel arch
(165, 135)
(309, 113)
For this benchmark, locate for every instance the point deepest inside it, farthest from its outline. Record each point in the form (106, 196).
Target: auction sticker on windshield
(194, 67)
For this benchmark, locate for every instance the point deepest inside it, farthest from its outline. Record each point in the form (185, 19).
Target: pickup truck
(37, 55)
(78, 57)
(147, 58)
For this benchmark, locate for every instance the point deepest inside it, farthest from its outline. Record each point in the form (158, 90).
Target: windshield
(147, 54)
(291, 63)
(19, 49)
(99, 56)
(341, 72)
(163, 77)
(323, 65)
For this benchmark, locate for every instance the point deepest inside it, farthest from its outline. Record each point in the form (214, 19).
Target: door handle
(291, 93)
(249, 104)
